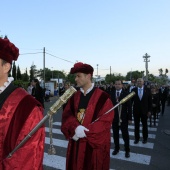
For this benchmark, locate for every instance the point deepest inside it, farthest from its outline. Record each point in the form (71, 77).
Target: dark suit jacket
(126, 113)
(163, 95)
(144, 105)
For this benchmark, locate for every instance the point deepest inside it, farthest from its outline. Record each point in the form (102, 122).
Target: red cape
(92, 152)
(19, 114)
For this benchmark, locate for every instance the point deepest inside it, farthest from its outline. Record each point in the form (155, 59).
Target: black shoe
(115, 152)
(127, 154)
(144, 141)
(136, 141)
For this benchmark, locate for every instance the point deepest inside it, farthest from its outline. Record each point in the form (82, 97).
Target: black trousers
(143, 118)
(125, 134)
(163, 106)
(155, 115)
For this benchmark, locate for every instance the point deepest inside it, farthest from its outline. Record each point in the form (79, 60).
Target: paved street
(154, 155)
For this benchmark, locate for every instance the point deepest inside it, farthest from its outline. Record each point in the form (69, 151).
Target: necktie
(117, 95)
(140, 93)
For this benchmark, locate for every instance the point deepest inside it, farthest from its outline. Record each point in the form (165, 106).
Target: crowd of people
(86, 121)
(149, 101)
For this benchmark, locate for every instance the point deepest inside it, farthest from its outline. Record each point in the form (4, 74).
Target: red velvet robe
(19, 114)
(92, 152)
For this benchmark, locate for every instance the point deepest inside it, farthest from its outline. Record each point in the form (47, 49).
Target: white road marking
(54, 161)
(140, 144)
(134, 157)
(59, 162)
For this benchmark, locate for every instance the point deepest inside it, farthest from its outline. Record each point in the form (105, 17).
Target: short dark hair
(119, 80)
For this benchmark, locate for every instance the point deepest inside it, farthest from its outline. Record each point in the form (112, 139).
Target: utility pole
(52, 72)
(97, 74)
(110, 73)
(44, 65)
(146, 60)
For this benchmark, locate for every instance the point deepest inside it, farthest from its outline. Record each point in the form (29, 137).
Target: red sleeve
(69, 121)
(30, 155)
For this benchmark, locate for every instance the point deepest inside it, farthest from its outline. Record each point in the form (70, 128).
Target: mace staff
(120, 113)
(125, 99)
(53, 109)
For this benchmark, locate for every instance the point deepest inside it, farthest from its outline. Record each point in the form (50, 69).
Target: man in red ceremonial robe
(85, 124)
(19, 114)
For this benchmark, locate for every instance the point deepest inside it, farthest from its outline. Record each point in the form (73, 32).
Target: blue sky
(110, 33)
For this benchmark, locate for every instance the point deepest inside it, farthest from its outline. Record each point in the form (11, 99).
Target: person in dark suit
(155, 105)
(123, 117)
(142, 106)
(163, 93)
(38, 92)
(111, 87)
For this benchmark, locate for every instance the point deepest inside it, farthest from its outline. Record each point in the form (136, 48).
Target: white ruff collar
(6, 84)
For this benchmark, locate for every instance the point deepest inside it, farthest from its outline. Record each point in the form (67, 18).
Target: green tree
(55, 74)
(166, 71)
(134, 75)
(151, 78)
(48, 74)
(113, 77)
(160, 72)
(14, 71)
(19, 76)
(163, 76)
(33, 72)
(70, 78)
(25, 76)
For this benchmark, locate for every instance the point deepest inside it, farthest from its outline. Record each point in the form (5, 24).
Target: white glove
(79, 131)
(75, 137)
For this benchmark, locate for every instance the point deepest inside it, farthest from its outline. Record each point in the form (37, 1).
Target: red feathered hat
(8, 51)
(82, 68)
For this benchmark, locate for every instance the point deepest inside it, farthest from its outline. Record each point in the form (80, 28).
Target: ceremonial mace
(125, 99)
(53, 109)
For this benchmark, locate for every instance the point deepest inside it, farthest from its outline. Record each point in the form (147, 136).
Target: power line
(59, 58)
(30, 49)
(55, 57)
(30, 53)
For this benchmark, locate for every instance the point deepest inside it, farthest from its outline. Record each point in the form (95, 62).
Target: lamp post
(146, 60)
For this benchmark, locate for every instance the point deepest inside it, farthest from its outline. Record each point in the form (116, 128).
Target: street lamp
(146, 60)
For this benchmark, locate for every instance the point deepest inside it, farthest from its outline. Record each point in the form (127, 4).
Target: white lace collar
(6, 84)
